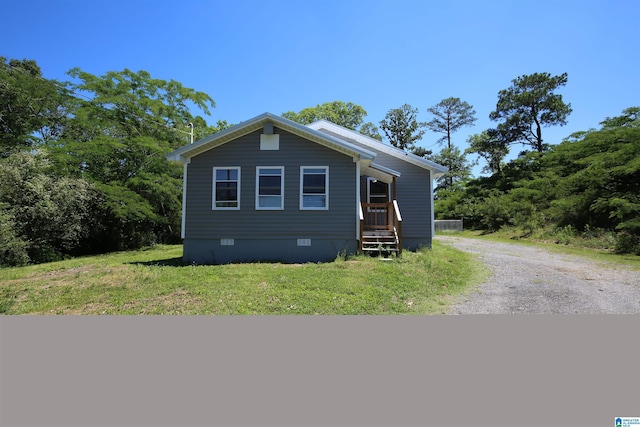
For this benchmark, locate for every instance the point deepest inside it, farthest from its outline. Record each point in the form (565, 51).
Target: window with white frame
(226, 188)
(270, 187)
(314, 187)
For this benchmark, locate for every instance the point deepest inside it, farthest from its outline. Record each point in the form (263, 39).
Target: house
(274, 190)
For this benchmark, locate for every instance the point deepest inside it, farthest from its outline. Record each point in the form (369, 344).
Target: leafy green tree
(630, 118)
(31, 107)
(129, 104)
(422, 152)
(449, 115)
(370, 130)
(529, 105)
(51, 215)
(589, 182)
(348, 115)
(117, 137)
(345, 114)
(13, 249)
(491, 147)
(459, 168)
(601, 179)
(401, 127)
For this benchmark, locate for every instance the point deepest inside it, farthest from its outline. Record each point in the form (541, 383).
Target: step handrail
(361, 228)
(397, 225)
(385, 216)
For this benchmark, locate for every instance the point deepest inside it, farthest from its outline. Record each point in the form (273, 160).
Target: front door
(377, 191)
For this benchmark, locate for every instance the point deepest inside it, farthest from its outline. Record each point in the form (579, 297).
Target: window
(314, 187)
(226, 188)
(270, 187)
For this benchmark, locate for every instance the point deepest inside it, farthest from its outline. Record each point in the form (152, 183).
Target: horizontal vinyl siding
(248, 223)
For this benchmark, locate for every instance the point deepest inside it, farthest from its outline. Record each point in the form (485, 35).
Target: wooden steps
(380, 242)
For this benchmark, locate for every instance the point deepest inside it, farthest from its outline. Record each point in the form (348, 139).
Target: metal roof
(342, 132)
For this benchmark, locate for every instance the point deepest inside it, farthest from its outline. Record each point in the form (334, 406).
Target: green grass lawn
(155, 281)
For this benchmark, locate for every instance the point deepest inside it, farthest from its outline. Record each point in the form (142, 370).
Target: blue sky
(284, 55)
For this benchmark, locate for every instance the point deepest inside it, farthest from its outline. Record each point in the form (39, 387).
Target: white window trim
(213, 202)
(281, 207)
(326, 188)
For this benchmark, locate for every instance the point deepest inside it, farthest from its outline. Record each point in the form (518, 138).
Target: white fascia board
(386, 170)
(378, 172)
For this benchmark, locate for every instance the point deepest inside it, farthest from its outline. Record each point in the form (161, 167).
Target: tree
(402, 128)
(13, 248)
(348, 115)
(129, 104)
(459, 169)
(601, 178)
(31, 107)
(50, 214)
(421, 152)
(528, 105)
(450, 114)
(630, 118)
(491, 147)
(370, 130)
(117, 138)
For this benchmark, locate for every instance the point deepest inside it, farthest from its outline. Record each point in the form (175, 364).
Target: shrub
(13, 250)
(627, 243)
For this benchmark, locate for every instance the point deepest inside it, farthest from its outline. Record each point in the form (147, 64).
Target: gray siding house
(270, 189)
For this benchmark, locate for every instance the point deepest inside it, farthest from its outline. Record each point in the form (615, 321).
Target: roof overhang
(183, 154)
(379, 172)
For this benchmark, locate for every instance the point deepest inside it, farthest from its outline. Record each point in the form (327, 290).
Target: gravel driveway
(534, 281)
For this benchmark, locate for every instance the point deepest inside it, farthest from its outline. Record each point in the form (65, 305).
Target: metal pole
(191, 132)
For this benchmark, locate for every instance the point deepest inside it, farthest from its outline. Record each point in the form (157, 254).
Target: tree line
(82, 163)
(83, 167)
(586, 186)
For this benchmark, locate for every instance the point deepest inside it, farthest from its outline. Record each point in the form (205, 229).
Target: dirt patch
(532, 280)
(67, 272)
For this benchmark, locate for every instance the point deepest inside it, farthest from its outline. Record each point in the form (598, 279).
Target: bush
(13, 250)
(46, 216)
(627, 243)
(565, 235)
(495, 212)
